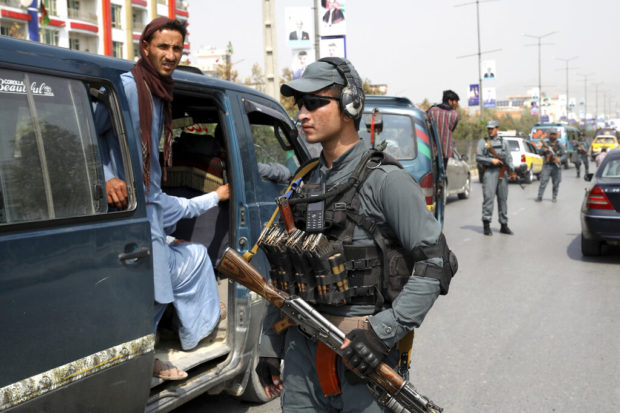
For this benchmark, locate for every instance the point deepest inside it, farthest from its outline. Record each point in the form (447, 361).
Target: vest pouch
(399, 269)
(305, 285)
(330, 275)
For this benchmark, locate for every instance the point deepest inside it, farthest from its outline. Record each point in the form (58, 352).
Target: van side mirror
(588, 176)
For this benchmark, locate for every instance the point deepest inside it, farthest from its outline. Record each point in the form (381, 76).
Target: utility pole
(317, 36)
(270, 44)
(585, 99)
(566, 62)
(539, 44)
(596, 85)
(479, 54)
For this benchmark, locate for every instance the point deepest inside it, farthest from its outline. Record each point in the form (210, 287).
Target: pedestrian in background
(599, 158)
(446, 118)
(553, 156)
(582, 155)
(493, 155)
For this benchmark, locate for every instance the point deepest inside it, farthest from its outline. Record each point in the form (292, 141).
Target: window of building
(117, 21)
(74, 43)
(50, 164)
(50, 6)
(117, 49)
(49, 37)
(13, 29)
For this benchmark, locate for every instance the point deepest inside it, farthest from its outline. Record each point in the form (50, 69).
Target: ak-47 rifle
(580, 149)
(550, 154)
(390, 389)
(512, 173)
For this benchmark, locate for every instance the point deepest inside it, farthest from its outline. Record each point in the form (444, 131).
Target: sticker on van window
(18, 87)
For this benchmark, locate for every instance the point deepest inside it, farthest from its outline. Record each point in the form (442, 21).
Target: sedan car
(600, 211)
(525, 157)
(603, 141)
(458, 176)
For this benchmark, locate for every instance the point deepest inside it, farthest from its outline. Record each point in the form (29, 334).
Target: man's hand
(223, 192)
(116, 190)
(363, 350)
(268, 370)
(556, 159)
(496, 161)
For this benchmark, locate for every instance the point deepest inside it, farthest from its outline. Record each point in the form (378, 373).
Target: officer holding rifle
(553, 154)
(361, 248)
(493, 154)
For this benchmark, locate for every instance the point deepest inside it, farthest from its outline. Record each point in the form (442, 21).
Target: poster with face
(299, 27)
(301, 58)
(474, 95)
(488, 94)
(488, 70)
(332, 18)
(333, 46)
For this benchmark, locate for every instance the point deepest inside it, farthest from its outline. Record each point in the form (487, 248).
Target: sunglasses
(312, 102)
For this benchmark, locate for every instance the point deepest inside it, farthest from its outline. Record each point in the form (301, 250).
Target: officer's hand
(268, 370)
(116, 190)
(363, 350)
(496, 161)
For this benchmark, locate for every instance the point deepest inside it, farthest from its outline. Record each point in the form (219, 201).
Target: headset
(352, 97)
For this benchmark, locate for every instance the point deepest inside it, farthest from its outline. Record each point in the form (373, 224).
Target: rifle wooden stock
(234, 266)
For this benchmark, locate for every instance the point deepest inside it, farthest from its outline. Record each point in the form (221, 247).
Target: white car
(524, 153)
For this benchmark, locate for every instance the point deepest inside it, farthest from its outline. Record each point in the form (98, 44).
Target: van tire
(254, 392)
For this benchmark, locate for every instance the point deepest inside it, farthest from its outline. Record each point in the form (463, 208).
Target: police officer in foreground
(553, 156)
(582, 155)
(493, 155)
(373, 217)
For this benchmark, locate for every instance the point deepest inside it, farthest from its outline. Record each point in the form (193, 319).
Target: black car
(600, 211)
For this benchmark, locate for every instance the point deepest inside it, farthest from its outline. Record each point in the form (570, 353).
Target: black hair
(171, 25)
(449, 95)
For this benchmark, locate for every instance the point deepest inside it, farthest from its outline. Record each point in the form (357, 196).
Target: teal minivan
(76, 286)
(566, 135)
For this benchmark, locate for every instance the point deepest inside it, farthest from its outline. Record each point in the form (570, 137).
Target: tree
(257, 79)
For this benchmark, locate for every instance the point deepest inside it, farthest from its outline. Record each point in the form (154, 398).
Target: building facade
(106, 27)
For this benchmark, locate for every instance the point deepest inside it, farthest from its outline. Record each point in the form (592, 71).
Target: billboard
(299, 24)
(489, 96)
(301, 58)
(474, 94)
(332, 18)
(333, 46)
(488, 70)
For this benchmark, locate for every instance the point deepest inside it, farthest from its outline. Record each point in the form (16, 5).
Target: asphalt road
(529, 324)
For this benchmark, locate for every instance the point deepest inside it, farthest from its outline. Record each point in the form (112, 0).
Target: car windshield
(396, 130)
(514, 145)
(605, 140)
(611, 169)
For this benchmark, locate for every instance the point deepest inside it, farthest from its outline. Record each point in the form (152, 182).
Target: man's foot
(167, 371)
(538, 199)
(554, 199)
(486, 225)
(505, 230)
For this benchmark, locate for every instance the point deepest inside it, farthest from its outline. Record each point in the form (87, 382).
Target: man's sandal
(167, 371)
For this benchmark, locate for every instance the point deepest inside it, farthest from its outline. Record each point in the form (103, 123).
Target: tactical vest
(325, 267)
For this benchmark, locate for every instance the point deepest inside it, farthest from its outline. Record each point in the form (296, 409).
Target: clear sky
(413, 45)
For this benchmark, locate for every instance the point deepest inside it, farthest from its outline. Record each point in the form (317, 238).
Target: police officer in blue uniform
(493, 155)
(374, 217)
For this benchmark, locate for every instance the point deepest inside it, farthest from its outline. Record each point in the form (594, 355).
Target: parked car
(603, 141)
(600, 210)
(525, 157)
(458, 176)
(402, 127)
(77, 276)
(566, 136)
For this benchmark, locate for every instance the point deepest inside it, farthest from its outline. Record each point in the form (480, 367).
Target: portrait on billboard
(333, 47)
(488, 67)
(474, 95)
(301, 59)
(332, 15)
(299, 27)
(489, 97)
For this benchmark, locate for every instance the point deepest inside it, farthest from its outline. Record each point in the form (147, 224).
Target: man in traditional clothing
(183, 271)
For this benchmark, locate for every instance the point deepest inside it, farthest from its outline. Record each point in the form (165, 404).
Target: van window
(50, 166)
(397, 131)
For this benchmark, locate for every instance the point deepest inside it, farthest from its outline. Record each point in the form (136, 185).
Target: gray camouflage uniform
(389, 195)
(492, 184)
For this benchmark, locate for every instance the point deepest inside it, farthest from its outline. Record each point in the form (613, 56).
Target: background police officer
(330, 100)
(582, 154)
(494, 157)
(553, 155)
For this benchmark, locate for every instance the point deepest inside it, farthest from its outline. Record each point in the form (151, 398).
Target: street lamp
(585, 98)
(539, 44)
(566, 61)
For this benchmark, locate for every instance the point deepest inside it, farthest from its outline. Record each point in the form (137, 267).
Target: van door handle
(136, 255)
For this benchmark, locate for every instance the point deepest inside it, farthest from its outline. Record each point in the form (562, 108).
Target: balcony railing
(138, 27)
(82, 15)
